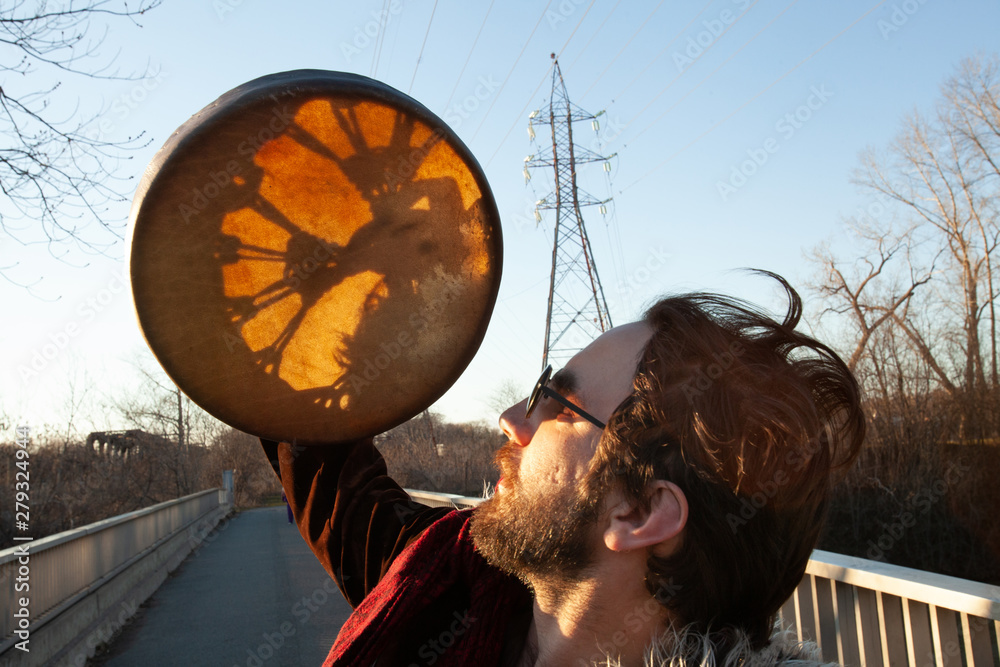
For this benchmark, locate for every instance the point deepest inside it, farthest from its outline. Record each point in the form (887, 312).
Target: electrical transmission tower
(577, 310)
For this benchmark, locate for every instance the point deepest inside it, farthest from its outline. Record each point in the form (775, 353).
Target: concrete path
(252, 596)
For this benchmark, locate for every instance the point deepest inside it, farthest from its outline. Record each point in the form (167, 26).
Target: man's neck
(591, 620)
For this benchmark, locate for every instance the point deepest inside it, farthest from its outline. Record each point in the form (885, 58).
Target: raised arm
(354, 517)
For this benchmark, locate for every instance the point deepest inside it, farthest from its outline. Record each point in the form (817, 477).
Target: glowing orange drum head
(314, 257)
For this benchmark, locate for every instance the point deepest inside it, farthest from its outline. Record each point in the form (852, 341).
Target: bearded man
(618, 532)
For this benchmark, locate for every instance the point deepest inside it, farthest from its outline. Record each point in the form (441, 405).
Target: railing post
(227, 484)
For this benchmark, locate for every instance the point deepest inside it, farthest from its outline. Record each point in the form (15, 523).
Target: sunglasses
(542, 389)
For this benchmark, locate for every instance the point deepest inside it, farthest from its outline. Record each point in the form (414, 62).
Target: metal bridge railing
(869, 613)
(69, 565)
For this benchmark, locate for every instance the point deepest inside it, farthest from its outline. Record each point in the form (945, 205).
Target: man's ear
(630, 526)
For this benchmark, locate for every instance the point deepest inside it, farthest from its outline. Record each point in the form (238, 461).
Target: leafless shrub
(428, 454)
(74, 483)
(253, 478)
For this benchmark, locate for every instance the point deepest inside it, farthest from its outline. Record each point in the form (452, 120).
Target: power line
(420, 57)
(395, 39)
(543, 279)
(680, 74)
(641, 26)
(578, 24)
(468, 57)
(380, 38)
(748, 102)
(669, 44)
(507, 78)
(615, 243)
(724, 63)
(520, 114)
(592, 37)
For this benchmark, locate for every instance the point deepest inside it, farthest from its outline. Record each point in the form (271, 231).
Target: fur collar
(687, 648)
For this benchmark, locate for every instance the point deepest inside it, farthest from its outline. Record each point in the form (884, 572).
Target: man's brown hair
(750, 419)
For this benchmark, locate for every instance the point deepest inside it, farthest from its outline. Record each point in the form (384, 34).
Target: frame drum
(314, 257)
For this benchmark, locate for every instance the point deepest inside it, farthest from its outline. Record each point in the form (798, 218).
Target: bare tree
(869, 292)
(253, 477)
(920, 308)
(428, 454)
(941, 175)
(506, 394)
(157, 406)
(55, 176)
(971, 97)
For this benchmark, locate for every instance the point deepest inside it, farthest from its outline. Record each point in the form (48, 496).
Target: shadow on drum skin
(400, 246)
(342, 277)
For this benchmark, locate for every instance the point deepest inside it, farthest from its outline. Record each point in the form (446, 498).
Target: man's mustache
(507, 460)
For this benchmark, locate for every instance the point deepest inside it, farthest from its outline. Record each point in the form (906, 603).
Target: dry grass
(463, 465)
(72, 485)
(920, 496)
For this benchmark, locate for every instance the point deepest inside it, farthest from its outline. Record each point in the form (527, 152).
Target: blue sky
(691, 91)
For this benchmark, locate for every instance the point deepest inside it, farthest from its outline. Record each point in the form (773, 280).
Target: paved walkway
(252, 596)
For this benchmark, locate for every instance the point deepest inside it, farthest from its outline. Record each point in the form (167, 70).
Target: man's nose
(515, 425)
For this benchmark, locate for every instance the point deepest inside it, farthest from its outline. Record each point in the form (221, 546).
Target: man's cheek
(561, 477)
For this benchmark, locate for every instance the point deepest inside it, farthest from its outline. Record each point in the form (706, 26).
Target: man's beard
(532, 535)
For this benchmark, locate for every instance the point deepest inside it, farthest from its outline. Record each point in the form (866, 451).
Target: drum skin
(314, 257)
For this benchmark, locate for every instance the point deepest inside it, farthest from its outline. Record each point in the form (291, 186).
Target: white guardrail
(77, 581)
(872, 614)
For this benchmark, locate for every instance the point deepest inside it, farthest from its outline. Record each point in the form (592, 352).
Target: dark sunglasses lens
(536, 393)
